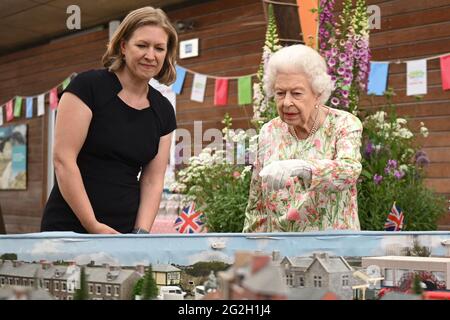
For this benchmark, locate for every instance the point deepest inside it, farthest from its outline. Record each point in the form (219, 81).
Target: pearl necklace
(313, 129)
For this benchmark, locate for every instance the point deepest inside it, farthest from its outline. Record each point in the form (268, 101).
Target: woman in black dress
(111, 125)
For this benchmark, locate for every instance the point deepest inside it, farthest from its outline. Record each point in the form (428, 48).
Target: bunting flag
(394, 220)
(9, 111)
(65, 83)
(178, 85)
(308, 14)
(53, 98)
(198, 88)
(17, 107)
(29, 107)
(41, 104)
(245, 90)
(221, 92)
(378, 78)
(189, 220)
(416, 77)
(445, 72)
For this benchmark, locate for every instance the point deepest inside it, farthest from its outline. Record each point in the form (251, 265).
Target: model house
(394, 268)
(319, 271)
(166, 275)
(104, 282)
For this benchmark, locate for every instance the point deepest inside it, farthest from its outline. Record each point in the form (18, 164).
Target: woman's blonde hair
(113, 57)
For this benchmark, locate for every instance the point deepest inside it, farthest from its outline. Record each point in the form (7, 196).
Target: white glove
(277, 173)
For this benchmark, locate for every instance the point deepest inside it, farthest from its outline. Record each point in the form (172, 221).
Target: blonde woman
(110, 125)
(308, 162)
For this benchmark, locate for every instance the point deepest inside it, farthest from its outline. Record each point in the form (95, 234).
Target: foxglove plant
(264, 108)
(345, 46)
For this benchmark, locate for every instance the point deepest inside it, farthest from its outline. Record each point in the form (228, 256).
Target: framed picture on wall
(189, 48)
(13, 157)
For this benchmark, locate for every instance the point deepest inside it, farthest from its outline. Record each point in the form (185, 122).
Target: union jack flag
(189, 220)
(394, 220)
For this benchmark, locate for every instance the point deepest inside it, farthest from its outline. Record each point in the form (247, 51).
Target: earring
(317, 106)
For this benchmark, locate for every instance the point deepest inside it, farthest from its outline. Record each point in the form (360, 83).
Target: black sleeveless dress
(120, 141)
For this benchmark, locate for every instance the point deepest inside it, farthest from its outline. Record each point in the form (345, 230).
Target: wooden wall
(231, 35)
(410, 30)
(31, 72)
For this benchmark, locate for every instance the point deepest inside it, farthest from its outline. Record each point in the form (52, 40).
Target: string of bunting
(244, 84)
(416, 74)
(13, 107)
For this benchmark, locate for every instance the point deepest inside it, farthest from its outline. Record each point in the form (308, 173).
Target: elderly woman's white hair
(300, 59)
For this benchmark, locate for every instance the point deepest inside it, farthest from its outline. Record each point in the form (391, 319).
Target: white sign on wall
(189, 48)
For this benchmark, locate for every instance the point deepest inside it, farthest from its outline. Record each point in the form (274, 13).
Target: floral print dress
(330, 201)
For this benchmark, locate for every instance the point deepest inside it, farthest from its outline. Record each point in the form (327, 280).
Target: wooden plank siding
(30, 72)
(414, 30)
(231, 36)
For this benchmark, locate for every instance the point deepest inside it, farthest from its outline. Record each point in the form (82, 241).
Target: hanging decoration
(13, 107)
(308, 14)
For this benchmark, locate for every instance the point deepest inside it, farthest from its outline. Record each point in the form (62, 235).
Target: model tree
(137, 289)
(149, 288)
(82, 292)
(417, 285)
(418, 250)
(8, 256)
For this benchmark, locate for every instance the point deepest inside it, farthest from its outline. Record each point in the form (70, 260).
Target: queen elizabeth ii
(308, 158)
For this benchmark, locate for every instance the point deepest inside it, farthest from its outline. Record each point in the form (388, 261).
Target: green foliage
(422, 208)
(417, 250)
(224, 195)
(217, 184)
(8, 256)
(149, 288)
(264, 108)
(390, 174)
(417, 288)
(137, 289)
(203, 268)
(272, 41)
(82, 292)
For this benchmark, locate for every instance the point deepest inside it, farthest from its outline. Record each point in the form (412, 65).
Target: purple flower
(342, 56)
(340, 71)
(345, 93)
(334, 51)
(369, 149)
(334, 101)
(348, 76)
(420, 153)
(398, 174)
(331, 62)
(392, 164)
(421, 158)
(377, 179)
